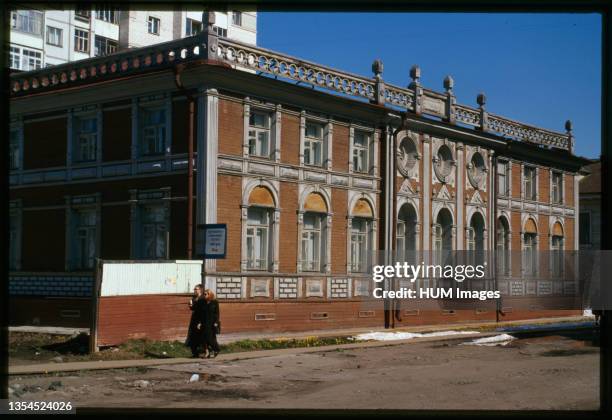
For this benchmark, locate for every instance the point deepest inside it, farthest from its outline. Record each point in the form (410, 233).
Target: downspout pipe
(179, 84)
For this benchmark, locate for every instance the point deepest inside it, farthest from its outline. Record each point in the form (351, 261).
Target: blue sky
(540, 69)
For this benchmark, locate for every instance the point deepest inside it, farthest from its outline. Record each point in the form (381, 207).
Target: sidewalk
(228, 338)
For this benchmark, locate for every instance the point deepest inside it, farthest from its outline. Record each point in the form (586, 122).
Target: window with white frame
(104, 46)
(85, 139)
(530, 253)
(81, 41)
(529, 183)
(54, 36)
(360, 244)
(312, 241)
(503, 246)
(29, 21)
(259, 133)
(556, 251)
(107, 15)
(222, 32)
(24, 58)
(153, 233)
(557, 187)
(153, 134)
(192, 27)
(361, 146)
(503, 178)
(258, 238)
(13, 240)
(313, 144)
(153, 25)
(14, 150)
(84, 239)
(237, 18)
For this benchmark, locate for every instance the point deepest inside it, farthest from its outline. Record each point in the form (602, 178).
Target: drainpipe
(179, 84)
(493, 232)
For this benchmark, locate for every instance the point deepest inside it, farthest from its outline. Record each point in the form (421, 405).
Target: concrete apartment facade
(309, 183)
(46, 37)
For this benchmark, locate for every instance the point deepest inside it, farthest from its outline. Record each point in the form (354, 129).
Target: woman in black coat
(212, 325)
(195, 334)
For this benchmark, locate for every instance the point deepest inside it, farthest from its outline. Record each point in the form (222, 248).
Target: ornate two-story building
(311, 168)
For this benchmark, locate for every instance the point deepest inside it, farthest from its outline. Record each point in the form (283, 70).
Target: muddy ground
(553, 372)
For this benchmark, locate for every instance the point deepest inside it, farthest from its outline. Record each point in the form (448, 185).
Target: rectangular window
(54, 36)
(313, 144)
(14, 150)
(557, 187)
(86, 139)
(259, 133)
(24, 59)
(29, 21)
(556, 251)
(311, 242)
(107, 15)
(360, 244)
(585, 228)
(84, 239)
(192, 27)
(154, 230)
(257, 238)
(529, 181)
(153, 131)
(361, 145)
(237, 18)
(503, 178)
(153, 25)
(222, 32)
(530, 254)
(81, 41)
(104, 46)
(82, 14)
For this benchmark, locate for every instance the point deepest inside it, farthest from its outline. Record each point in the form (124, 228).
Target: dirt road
(553, 372)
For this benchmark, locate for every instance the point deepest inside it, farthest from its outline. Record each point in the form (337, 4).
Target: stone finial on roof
(415, 74)
(481, 99)
(449, 83)
(569, 126)
(377, 68)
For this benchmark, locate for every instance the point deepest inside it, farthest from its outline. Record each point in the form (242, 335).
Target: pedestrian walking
(212, 325)
(195, 333)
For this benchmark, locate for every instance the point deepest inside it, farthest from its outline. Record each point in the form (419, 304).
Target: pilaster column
(460, 200)
(426, 182)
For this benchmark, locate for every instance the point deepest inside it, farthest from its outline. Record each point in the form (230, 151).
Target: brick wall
(516, 180)
(339, 228)
(44, 143)
(288, 227)
(290, 139)
(339, 288)
(569, 190)
(544, 185)
(53, 312)
(228, 211)
(340, 148)
(287, 288)
(231, 127)
(56, 285)
(180, 126)
(117, 134)
(229, 288)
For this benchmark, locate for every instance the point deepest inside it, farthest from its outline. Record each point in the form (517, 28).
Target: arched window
(361, 236)
(475, 239)
(530, 242)
(259, 229)
(556, 250)
(313, 241)
(443, 236)
(503, 246)
(406, 234)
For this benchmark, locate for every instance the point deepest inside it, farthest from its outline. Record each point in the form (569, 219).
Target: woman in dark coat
(212, 325)
(195, 334)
